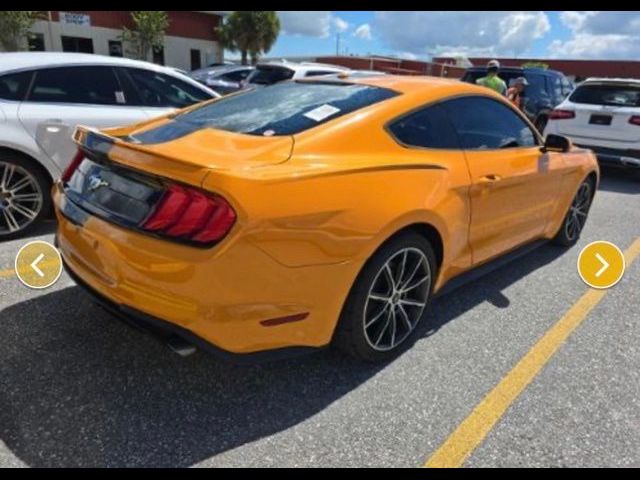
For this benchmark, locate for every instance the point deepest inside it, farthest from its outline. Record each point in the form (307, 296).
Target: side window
(14, 86)
(566, 88)
(317, 73)
(160, 90)
(557, 88)
(427, 128)
(485, 124)
(236, 76)
(88, 85)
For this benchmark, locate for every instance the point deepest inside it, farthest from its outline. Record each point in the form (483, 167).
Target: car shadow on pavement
(80, 388)
(620, 181)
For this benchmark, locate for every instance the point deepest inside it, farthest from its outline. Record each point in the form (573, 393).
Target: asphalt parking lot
(78, 388)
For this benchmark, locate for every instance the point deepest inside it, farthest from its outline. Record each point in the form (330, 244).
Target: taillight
(562, 114)
(73, 166)
(191, 215)
(635, 120)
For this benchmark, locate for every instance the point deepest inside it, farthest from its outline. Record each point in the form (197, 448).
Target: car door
(514, 185)
(158, 93)
(61, 98)
(428, 137)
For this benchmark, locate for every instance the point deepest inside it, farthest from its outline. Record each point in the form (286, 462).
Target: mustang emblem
(96, 182)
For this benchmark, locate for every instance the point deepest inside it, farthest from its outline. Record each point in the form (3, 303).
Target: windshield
(283, 109)
(614, 95)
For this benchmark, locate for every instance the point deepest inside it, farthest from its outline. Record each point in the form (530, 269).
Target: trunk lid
(187, 158)
(602, 122)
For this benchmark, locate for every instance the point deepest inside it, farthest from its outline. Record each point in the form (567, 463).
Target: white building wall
(176, 49)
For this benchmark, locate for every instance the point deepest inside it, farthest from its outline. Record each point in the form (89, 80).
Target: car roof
(302, 66)
(540, 71)
(633, 81)
(406, 84)
(28, 60)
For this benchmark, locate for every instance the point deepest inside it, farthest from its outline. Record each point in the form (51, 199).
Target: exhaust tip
(180, 346)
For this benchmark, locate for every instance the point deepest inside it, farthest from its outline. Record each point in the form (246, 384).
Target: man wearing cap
(514, 94)
(492, 80)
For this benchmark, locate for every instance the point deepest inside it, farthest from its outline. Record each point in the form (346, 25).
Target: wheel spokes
(397, 299)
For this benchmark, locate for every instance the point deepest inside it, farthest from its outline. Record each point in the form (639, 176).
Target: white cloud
(340, 25)
(599, 35)
(471, 33)
(309, 24)
(363, 32)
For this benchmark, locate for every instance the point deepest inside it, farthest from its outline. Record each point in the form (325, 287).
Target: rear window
(283, 109)
(614, 95)
(270, 75)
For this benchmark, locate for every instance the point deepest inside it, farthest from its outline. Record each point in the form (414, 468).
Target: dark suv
(547, 89)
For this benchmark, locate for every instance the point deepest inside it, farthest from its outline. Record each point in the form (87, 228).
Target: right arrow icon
(601, 264)
(604, 263)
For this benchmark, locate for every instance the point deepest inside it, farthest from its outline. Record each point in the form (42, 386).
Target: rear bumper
(162, 328)
(615, 157)
(233, 298)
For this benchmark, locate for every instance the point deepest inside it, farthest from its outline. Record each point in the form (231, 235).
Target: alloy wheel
(21, 198)
(578, 212)
(396, 299)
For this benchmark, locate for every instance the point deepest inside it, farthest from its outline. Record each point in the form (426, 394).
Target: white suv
(603, 114)
(273, 72)
(44, 95)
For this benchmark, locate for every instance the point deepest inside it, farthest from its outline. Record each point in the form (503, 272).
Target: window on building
(196, 62)
(84, 85)
(77, 44)
(427, 128)
(115, 48)
(158, 55)
(36, 42)
(485, 124)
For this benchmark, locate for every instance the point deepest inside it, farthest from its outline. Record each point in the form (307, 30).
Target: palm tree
(250, 33)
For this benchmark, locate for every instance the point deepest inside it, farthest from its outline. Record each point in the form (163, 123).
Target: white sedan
(603, 114)
(44, 95)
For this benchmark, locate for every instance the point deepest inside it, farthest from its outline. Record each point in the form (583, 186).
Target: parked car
(546, 89)
(311, 212)
(223, 79)
(43, 96)
(603, 114)
(273, 72)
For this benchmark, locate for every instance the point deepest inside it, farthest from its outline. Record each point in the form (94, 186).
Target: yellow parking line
(473, 430)
(11, 272)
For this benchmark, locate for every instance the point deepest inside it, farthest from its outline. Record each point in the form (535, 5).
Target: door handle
(489, 179)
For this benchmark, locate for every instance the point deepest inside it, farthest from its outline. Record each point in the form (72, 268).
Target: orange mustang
(311, 212)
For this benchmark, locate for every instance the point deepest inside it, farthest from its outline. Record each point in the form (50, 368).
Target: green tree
(541, 65)
(250, 33)
(14, 27)
(148, 33)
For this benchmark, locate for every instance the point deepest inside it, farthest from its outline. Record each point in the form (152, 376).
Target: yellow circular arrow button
(38, 265)
(601, 265)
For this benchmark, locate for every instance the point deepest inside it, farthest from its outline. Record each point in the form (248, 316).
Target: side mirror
(557, 143)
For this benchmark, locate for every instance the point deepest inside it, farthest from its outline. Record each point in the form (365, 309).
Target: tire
(375, 295)
(577, 215)
(25, 197)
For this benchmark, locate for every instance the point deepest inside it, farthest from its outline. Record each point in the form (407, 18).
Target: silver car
(45, 95)
(223, 79)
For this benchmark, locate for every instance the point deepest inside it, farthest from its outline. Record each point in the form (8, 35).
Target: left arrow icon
(35, 263)
(38, 264)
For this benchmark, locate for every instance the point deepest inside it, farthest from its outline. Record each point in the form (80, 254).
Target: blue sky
(423, 34)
